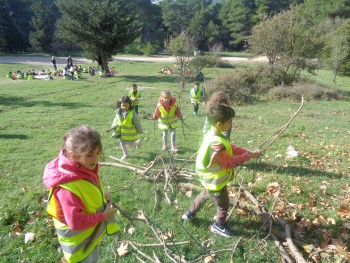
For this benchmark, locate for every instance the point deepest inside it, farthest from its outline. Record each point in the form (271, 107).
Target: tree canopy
(101, 28)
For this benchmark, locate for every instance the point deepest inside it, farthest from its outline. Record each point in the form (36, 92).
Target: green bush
(310, 91)
(149, 49)
(133, 48)
(200, 62)
(239, 84)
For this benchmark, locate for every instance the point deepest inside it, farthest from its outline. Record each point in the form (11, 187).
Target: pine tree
(236, 16)
(101, 28)
(43, 23)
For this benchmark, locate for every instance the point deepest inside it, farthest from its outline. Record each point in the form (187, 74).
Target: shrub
(310, 91)
(149, 49)
(239, 84)
(200, 62)
(133, 48)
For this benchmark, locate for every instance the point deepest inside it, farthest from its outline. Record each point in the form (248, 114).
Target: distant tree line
(105, 27)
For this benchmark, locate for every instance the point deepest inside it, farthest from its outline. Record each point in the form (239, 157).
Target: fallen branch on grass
(293, 249)
(170, 173)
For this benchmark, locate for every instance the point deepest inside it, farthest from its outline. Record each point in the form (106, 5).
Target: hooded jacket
(62, 170)
(76, 203)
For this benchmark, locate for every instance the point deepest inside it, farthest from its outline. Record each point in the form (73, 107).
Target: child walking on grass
(167, 112)
(214, 166)
(80, 208)
(135, 96)
(196, 95)
(218, 97)
(127, 125)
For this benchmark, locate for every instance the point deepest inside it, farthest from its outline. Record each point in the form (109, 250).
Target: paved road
(39, 60)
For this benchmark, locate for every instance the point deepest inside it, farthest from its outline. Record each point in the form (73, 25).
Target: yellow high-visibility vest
(135, 98)
(73, 243)
(167, 119)
(215, 177)
(196, 97)
(126, 128)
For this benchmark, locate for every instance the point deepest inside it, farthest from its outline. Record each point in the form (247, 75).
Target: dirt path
(40, 60)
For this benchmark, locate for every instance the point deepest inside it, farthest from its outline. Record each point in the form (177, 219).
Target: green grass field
(313, 190)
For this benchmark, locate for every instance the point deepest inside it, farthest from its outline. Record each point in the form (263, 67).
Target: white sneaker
(124, 157)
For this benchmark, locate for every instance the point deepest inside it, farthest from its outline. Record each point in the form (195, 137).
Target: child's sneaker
(174, 149)
(124, 157)
(188, 216)
(137, 143)
(164, 148)
(222, 230)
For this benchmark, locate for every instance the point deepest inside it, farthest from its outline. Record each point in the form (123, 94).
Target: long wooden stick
(234, 249)
(140, 252)
(168, 244)
(294, 250)
(268, 142)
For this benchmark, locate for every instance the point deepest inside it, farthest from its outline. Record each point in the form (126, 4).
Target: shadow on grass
(26, 102)
(149, 79)
(13, 136)
(292, 170)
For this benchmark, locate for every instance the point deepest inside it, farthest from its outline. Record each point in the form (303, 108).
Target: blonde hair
(81, 140)
(165, 93)
(218, 97)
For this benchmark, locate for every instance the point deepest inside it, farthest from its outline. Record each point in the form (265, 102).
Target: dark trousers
(220, 199)
(195, 107)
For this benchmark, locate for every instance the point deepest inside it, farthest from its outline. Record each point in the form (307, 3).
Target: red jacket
(62, 170)
(157, 113)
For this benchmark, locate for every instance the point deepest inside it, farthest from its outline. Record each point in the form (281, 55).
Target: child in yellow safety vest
(81, 210)
(214, 166)
(218, 97)
(127, 125)
(167, 112)
(135, 96)
(196, 95)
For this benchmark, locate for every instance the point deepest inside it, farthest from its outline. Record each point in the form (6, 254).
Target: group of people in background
(83, 212)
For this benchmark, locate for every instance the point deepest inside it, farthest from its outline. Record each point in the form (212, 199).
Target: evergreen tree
(268, 8)
(198, 28)
(178, 14)
(14, 27)
(148, 21)
(236, 16)
(43, 23)
(101, 28)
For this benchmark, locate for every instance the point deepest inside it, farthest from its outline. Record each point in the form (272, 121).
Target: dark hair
(220, 113)
(220, 97)
(81, 140)
(124, 99)
(134, 85)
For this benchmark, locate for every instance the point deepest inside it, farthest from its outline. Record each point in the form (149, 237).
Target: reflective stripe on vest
(215, 177)
(167, 118)
(196, 97)
(127, 128)
(73, 242)
(134, 98)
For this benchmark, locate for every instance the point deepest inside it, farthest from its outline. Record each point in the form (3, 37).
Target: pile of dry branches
(170, 174)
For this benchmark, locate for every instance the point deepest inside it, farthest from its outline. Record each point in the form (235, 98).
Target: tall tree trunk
(105, 64)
